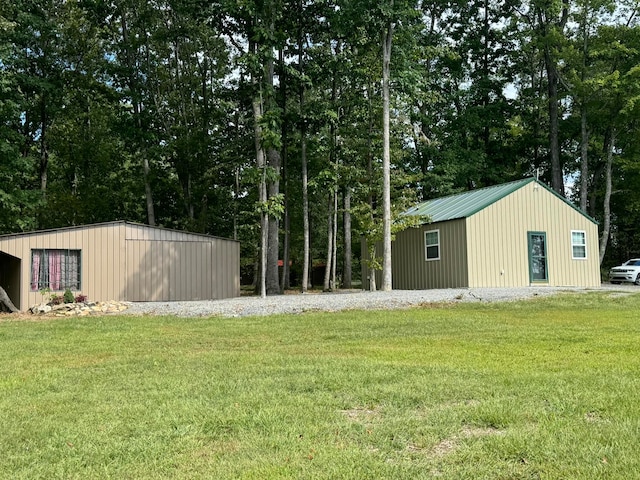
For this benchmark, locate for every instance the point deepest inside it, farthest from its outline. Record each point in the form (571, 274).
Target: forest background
(264, 120)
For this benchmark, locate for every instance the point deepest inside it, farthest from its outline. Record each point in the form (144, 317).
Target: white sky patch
(570, 181)
(510, 91)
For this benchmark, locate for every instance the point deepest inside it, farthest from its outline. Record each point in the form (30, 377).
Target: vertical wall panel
(205, 279)
(182, 259)
(206, 268)
(218, 257)
(135, 262)
(501, 247)
(489, 249)
(410, 269)
(223, 286)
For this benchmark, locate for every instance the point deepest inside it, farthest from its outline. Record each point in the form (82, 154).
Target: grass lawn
(548, 388)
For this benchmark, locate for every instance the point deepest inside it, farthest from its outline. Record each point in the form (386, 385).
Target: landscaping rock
(40, 309)
(80, 309)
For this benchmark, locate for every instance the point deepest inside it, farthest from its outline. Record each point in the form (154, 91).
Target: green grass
(548, 388)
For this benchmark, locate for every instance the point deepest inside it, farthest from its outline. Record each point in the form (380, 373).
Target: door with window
(538, 271)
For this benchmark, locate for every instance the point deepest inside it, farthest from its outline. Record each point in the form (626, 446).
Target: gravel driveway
(348, 300)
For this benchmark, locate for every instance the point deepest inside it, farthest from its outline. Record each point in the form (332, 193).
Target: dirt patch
(452, 443)
(19, 316)
(361, 414)
(444, 448)
(594, 417)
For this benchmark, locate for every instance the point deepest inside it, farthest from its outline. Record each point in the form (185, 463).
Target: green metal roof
(463, 205)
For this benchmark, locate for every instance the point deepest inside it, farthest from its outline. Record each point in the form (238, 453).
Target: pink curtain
(55, 270)
(35, 270)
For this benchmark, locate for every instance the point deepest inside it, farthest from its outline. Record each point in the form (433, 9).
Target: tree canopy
(287, 123)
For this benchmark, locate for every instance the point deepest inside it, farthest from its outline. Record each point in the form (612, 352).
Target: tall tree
(619, 112)
(387, 40)
(582, 78)
(551, 21)
(35, 61)
(19, 194)
(131, 23)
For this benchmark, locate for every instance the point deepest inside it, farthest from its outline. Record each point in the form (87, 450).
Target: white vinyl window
(578, 244)
(432, 245)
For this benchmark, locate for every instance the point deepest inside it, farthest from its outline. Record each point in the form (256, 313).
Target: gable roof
(466, 204)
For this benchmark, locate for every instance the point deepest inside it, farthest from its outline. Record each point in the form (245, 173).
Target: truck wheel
(637, 282)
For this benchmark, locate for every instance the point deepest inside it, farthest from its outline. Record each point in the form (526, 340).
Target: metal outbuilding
(510, 235)
(118, 261)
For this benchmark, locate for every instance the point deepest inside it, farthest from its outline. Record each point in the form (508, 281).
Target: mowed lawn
(547, 388)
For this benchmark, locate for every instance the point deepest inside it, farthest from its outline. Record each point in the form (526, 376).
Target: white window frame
(426, 246)
(584, 244)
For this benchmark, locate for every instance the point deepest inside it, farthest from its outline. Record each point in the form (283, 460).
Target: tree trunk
(137, 112)
(286, 281)
(386, 162)
(264, 239)
(273, 159)
(305, 210)
(334, 242)
(262, 187)
(584, 160)
(303, 158)
(273, 280)
(286, 277)
(606, 223)
(4, 298)
(151, 215)
(372, 271)
(327, 271)
(44, 151)
(236, 196)
(584, 132)
(346, 267)
(551, 67)
(557, 180)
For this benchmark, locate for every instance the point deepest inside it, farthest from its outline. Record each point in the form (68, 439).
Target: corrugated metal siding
(171, 266)
(161, 270)
(102, 277)
(497, 241)
(100, 246)
(411, 271)
(148, 270)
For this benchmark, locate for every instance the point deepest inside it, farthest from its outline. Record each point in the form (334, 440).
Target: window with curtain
(55, 269)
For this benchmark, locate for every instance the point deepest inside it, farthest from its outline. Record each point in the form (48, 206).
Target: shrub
(80, 298)
(56, 300)
(68, 296)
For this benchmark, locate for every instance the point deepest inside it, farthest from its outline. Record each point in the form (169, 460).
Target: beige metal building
(118, 261)
(511, 235)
